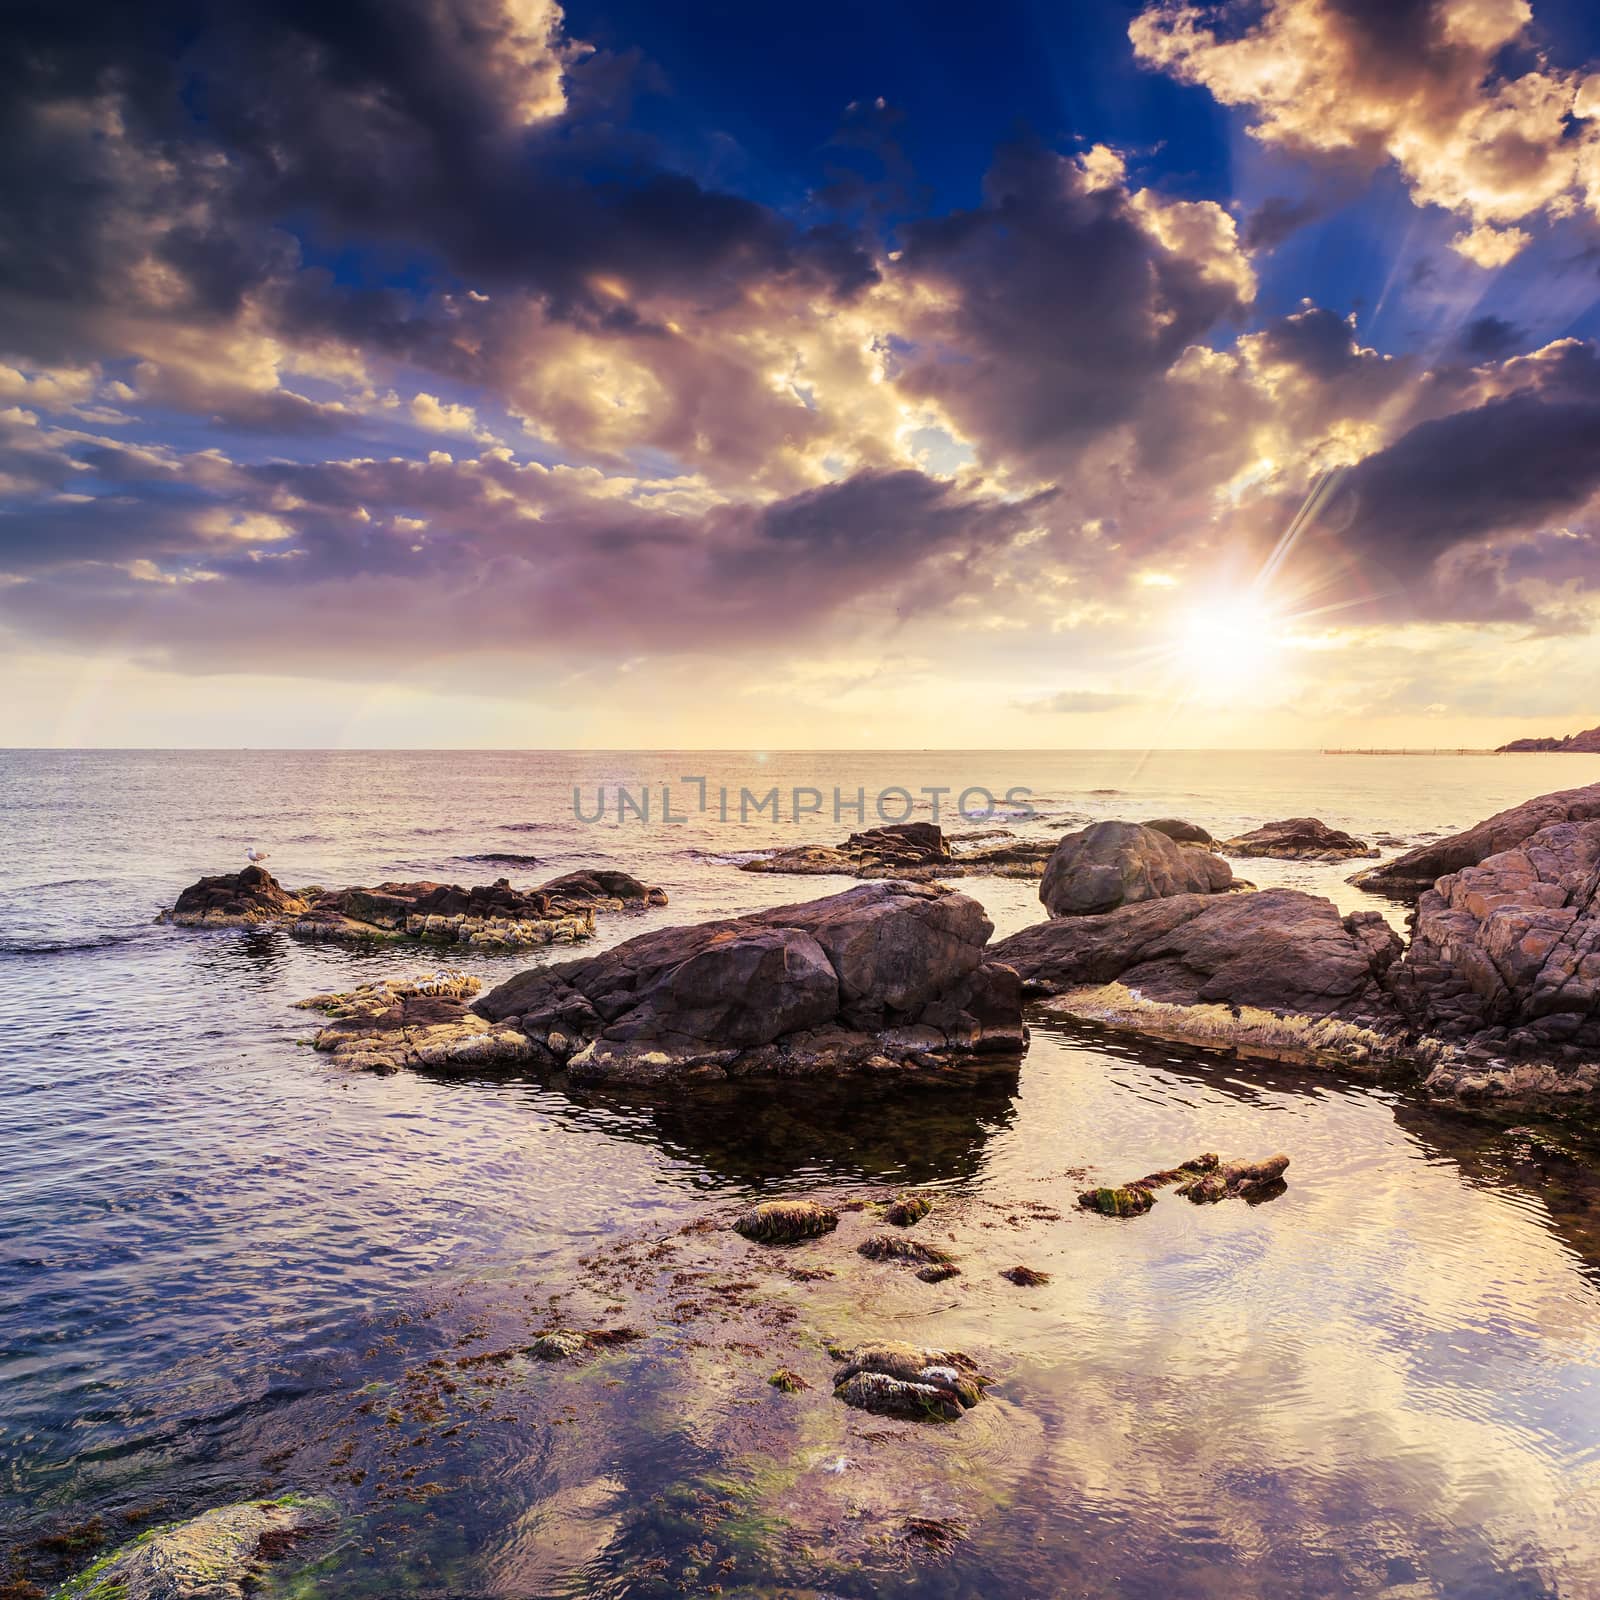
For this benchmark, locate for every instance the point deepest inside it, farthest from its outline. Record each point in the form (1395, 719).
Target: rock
(214, 1556)
(236, 900)
(786, 1381)
(786, 1221)
(1586, 743)
(887, 976)
(1418, 869)
(1277, 949)
(1247, 1180)
(1298, 839)
(893, 1247)
(414, 1022)
(1505, 955)
(901, 1380)
(910, 851)
(1125, 1201)
(559, 1344)
(494, 916)
(938, 1271)
(908, 1210)
(600, 889)
(1111, 864)
(1181, 832)
(1025, 1277)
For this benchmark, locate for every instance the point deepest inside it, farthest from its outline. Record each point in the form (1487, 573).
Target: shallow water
(1383, 1381)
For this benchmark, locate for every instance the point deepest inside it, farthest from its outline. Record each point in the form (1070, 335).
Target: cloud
(1080, 702)
(1428, 85)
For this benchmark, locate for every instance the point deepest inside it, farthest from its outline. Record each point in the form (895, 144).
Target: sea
(1386, 1381)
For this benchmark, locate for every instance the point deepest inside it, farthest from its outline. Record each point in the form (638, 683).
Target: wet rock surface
(1418, 869)
(1505, 956)
(887, 976)
(785, 1221)
(912, 851)
(901, 1380)
(413, 1022)
(1202, 1179)
(234, 900)
(215, 1556)
(1298, 839)
(1112, 864)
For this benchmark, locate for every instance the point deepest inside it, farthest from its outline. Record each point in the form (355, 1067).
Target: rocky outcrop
(1505, 956)
(1181, 832)
(785, 1221)
(493, 916)
(1278, 948)
(901, 1380)
(1202, 1179)
(916, 852)
(1111, 864)
(218, 1555)
(1585, 743)
(235, 900)
(884, 976)
(1410, 874)
(414, 1022)
(1298, 839)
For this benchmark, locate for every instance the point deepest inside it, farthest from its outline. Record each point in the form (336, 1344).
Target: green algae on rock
(786, 1221)
(1246, 1180)
(787, 1382)
(907, 1210)
(1126, 1201)
(214, 1556)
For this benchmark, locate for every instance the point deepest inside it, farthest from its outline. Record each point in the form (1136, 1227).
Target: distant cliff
(1584, 743)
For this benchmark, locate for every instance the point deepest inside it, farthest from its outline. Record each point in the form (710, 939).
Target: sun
(1228, 647)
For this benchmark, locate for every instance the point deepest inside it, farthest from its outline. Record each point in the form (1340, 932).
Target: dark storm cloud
(1061, 304)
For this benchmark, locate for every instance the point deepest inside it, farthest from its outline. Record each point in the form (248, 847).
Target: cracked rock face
(1506, 953)
(887, 976)
(1112, 864)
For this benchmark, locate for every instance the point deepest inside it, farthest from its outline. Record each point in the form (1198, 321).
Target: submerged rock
(214, 1556)
(896, 1247)
(786, 1381)
(1505, 957)
(901, 1380)
(1247, 1180)
(884, 977)
(907, 1210)
(1112, 864)
(235, 900)
(413, 1022)
(1418, 869)
(939, 1271)
(1298, 839)
(1025, 1277)
(911, 851)
(559, 1344)
(786, 1221)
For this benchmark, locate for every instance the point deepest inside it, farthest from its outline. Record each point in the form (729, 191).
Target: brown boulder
(910, 851)
(1298, 839)
(886, 975)
(1418, 869)
(1277, 949)
(1111, 864)
(234, 900)
(1181, 832)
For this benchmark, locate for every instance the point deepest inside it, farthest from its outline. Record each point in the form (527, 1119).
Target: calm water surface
(1384, 1382)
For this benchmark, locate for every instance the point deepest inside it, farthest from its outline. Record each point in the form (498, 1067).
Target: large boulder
(234, 900)
(1418, 869)
(1278, 949)
(1506, 954)
(884, 976)
(1111, 864)
(1298, 839)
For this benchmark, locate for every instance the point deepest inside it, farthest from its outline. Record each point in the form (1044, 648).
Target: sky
(493, 373)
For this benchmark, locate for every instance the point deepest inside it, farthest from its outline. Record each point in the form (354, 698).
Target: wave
(66, 946)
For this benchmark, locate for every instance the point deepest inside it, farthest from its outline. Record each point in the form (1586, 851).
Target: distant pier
(1410, 752)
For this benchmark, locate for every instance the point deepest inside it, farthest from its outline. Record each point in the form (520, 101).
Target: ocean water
(1384, 1382)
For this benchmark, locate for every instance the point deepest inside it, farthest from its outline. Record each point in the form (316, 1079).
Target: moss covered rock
(786, 1221)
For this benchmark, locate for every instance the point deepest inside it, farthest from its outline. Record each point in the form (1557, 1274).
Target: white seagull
(254, 856)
